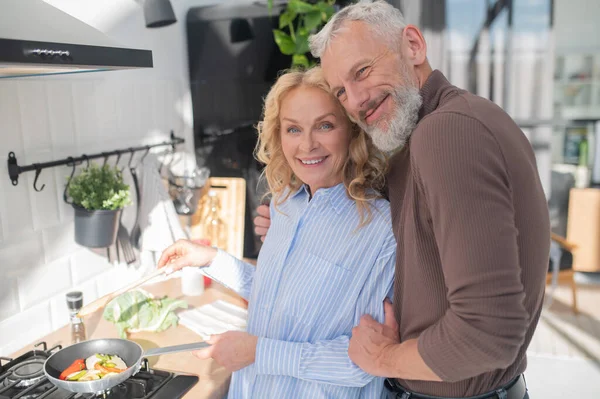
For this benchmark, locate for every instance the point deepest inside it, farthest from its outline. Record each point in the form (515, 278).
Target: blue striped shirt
(316, 275)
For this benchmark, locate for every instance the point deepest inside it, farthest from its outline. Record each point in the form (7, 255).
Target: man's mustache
(371, 105)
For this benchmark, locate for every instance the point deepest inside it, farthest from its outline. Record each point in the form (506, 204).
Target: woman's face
(315, 136)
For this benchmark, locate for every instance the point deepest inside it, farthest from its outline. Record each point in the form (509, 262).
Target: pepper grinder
(74, 304)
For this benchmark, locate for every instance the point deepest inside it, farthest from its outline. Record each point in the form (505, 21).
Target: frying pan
(131, 353)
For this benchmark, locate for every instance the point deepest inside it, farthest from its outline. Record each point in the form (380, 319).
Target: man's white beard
(407, 102)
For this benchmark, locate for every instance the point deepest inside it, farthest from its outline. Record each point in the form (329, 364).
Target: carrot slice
(105, 369)
(76, 366)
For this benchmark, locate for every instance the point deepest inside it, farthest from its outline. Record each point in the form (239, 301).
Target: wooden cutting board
(231, 192)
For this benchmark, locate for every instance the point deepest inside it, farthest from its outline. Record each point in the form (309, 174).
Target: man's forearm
(404, 361)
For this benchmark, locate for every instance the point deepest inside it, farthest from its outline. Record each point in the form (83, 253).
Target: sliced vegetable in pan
(94, 367)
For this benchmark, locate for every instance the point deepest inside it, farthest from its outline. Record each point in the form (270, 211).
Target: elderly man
(469, 215)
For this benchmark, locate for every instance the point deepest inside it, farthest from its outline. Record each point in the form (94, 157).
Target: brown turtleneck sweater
(473, 232)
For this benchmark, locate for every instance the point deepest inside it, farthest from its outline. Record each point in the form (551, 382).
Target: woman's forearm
(231, 272)
(323, 361)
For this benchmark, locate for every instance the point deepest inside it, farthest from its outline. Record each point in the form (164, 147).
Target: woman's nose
(308, 142)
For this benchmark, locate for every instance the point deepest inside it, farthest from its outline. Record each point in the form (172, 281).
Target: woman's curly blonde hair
(363, 171)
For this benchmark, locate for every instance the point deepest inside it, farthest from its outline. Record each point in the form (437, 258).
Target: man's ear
(414, 48)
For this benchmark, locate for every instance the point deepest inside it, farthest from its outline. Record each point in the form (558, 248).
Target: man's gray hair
(385, 20)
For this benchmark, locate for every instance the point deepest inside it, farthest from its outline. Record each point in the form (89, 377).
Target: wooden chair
(566, 275)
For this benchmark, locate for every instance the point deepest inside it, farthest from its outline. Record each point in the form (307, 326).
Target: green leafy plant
(99, 187)
(296, 23)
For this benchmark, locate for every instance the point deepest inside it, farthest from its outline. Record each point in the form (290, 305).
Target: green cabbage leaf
(138, 310)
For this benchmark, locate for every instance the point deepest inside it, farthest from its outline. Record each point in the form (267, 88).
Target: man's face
(375, 86)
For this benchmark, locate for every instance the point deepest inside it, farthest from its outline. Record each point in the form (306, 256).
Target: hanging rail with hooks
(14, 170)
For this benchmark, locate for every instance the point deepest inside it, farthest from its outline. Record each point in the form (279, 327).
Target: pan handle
(175, 348)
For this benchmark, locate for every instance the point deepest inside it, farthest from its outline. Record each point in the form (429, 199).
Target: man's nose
(357, 99)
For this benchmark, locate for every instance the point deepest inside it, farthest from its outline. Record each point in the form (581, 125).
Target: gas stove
(23, 378)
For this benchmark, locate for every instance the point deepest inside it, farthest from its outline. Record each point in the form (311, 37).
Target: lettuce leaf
(138, 310)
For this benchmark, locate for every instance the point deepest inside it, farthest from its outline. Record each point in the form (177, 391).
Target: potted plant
(296, 23)
(98, 196)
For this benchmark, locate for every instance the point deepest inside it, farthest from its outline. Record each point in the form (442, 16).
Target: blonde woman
(327, 259)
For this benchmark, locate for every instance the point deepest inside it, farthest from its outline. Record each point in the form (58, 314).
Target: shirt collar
(432, 91)
(336, 196)
(302, 191)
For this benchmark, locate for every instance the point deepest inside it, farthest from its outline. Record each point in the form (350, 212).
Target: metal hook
(172, 139)
(65, 197)
(119, 153)
(106, 156)
(141, 160)
(38, 170)
(145, 154)
(130, 157)
(87, 160)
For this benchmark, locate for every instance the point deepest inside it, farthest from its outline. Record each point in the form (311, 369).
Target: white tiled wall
(46, 118)
(51, 118)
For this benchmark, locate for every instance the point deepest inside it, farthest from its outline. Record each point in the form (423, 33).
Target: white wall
(530, 91)
(576, 25)
(48, 118)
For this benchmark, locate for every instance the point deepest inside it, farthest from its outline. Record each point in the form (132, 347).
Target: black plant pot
(96, 229)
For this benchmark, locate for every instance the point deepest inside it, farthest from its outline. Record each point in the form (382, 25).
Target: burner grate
(24, 378)
(27, 373)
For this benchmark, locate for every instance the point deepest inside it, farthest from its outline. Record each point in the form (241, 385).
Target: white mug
(192, 281)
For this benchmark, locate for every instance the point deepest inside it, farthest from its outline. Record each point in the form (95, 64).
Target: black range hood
(39, 39)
